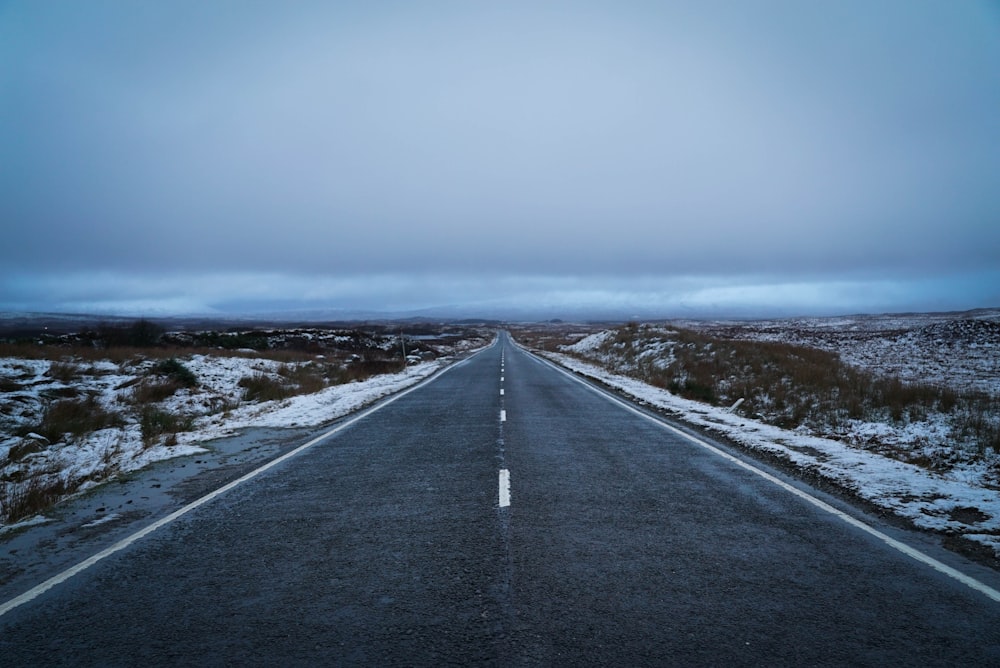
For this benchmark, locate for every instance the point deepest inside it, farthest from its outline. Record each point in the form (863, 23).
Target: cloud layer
(627, 145)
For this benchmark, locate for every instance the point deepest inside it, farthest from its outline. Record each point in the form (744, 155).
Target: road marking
(501, 379)
(58, 579)
(503, 416)
(501, 391)
(504, 488)
(897, 545)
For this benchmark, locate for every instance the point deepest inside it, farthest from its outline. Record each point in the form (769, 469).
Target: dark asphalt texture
(624, 544)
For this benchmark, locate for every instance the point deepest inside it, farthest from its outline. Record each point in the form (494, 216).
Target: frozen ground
(959, 352)
(215, 407)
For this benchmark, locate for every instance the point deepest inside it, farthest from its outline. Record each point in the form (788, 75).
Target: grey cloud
(827, 142)
(482, 294)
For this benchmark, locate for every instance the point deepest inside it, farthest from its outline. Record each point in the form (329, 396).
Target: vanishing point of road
(505, 513)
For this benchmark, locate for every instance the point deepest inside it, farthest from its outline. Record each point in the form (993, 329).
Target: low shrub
(63, 371)
(151, 392)
(25, 447)
(261, 387)
(231, 340)
(307, 378)
(22, 499)
(369, 366)
(155, 422)
(174, 369)
(694, 390)
(76, 417)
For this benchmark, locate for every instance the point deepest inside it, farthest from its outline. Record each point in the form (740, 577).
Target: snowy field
(958, 350)
(962, 352)
(216, 404)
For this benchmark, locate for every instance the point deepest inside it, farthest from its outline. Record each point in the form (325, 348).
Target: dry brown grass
(262, 387)
(150, 391)
(64, 371)
(306, 378)
(120, 355)
(292, 380)
(22, 499)
(156, 422)
(790, 385)
(75, 417)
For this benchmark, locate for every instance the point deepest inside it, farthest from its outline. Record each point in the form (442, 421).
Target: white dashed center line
(504, 488)
(503, 416)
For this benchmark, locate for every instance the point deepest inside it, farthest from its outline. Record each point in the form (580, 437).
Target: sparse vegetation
(795, 386)
(290, 380)
(231, 340)
(306, 378)
(63, 371)
(175, 370)
(137, 379)
(372, 365)
(21, 499)
(166, 379)
(155, 422)
(262, 387)
(149, 391)
(74, 417)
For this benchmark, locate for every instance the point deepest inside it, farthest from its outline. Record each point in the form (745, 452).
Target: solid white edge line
(504, 486)
(909, 551)
(65, 575)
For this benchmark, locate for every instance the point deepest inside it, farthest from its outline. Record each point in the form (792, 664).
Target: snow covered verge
(956, 502)
(117, 416)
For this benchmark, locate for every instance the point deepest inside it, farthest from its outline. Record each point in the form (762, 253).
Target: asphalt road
(395, 542)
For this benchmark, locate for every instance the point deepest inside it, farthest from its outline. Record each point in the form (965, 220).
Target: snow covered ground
(214, 407)
(961, 351)
(962, 500)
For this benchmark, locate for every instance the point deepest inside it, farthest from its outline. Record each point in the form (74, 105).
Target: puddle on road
(96, 519)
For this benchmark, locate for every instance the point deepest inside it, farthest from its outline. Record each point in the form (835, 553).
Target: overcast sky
(741, 157)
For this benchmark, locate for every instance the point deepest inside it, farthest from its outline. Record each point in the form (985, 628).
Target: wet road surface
(505, 514)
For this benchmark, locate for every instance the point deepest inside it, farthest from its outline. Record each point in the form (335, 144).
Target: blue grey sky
(659, 158)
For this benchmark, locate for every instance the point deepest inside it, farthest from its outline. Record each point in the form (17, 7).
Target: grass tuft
(76, 417)
(261, 387)
(23, 499)
(151, 392)
(155, 423)
(63, 371)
